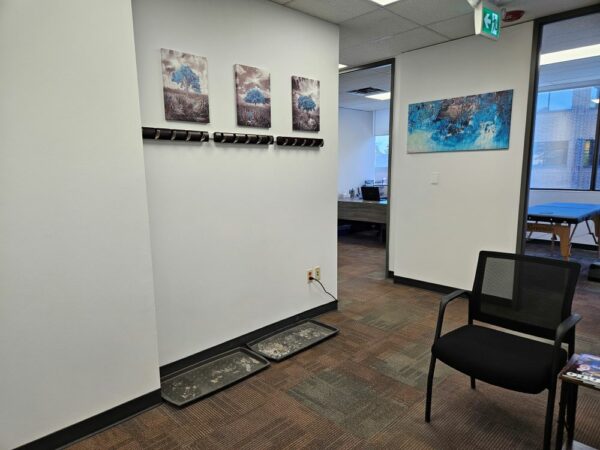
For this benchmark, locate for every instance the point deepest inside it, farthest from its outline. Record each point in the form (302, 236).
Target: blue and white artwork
(306, 108)
(474, 122)
(185, 86)
(253, 96)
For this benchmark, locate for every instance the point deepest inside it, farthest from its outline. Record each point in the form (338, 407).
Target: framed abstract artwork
(474, 122)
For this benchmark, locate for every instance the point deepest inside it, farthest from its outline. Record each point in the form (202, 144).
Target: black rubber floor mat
(210, 376)
(284, 343)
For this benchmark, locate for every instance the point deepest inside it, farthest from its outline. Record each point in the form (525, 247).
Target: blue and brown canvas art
(474, 122)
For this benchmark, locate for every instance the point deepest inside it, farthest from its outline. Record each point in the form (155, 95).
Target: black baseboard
(424, 285)
(573, 244)
(241, 341)
(96, 423)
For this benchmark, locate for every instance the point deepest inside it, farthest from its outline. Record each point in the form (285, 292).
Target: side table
(571, 379)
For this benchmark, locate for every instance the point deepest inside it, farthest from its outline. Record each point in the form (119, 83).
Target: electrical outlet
(318, 273)
(309, 274)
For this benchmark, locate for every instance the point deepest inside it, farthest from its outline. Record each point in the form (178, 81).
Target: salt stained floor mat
(287, 342)
(210, 376)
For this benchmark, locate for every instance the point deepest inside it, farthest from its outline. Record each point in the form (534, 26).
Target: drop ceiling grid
(370, 32)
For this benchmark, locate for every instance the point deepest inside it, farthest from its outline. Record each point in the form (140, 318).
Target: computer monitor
(370, 193)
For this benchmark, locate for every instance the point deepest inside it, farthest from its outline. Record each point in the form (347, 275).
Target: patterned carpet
(365, 388)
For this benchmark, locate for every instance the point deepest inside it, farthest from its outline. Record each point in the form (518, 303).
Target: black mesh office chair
(527, 294)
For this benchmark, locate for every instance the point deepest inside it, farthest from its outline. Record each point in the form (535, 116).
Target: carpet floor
(365, 388)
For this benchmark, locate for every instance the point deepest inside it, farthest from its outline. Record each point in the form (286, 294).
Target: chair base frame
(549, 406)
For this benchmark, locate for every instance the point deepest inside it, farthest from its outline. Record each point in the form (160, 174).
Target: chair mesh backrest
(523, 293)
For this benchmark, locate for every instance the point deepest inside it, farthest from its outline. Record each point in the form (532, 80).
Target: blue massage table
(561, 220)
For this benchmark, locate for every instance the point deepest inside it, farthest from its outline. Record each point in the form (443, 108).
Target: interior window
(565, 145)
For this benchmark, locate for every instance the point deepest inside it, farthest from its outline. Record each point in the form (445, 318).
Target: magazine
(585, 369)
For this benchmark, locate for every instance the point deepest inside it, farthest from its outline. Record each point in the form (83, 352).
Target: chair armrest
(443, 303)
(564, 327)
(561, 333)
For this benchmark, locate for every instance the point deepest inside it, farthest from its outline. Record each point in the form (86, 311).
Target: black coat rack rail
(242, 138)
(290, 141)
(167, 134)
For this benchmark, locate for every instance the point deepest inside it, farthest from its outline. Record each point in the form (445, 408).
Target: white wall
(537, 197)
(234, 228)
(77, 319)
(438, 230)
(382, 122)
(356, 160)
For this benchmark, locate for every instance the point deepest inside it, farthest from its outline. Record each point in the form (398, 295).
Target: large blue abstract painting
(474, 122)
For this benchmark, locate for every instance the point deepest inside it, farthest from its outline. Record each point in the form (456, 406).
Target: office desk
(558, 218)
(363, 211)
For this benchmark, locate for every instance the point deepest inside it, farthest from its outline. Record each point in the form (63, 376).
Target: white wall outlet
(318, 273)
(434, 178)
(310, 273)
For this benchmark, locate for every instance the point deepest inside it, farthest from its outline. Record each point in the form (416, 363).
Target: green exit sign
(487, 21)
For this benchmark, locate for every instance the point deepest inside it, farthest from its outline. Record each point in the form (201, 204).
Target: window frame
(530, 118)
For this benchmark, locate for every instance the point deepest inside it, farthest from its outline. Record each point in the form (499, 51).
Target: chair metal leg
(562, 406)
(472, 382)
(571, 412)
(549, 416)
(429, 388)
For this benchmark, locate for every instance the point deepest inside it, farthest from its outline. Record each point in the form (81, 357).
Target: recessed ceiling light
(571, 54)
(384, 2)
(342, 66)
(382, 96)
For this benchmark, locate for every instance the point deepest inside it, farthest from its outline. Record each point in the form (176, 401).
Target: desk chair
(526, 294)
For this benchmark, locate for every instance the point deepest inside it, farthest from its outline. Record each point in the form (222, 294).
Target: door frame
(392, 63)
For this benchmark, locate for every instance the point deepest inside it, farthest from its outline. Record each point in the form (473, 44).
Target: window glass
(382, 148)
(542, 101)
(560, 100)
(595, 97)
(564, 140)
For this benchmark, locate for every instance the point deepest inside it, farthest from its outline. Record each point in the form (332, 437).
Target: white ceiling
(571, 33)
(377, 77)
(369, 32)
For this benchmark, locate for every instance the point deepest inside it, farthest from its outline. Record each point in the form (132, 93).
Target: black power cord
(328, 293)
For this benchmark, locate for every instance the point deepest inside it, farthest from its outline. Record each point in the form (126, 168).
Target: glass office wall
(565, 147)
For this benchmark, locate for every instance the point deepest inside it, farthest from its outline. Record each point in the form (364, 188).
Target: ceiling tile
(390, 46)
(425, 12)
(414, 39)
(364, 53)
(458, 27)
(372, 26)
(334, 10)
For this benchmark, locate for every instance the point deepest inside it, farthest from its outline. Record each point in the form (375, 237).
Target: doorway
(365, 149)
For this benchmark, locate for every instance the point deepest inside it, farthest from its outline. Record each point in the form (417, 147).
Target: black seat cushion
(498, 358)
